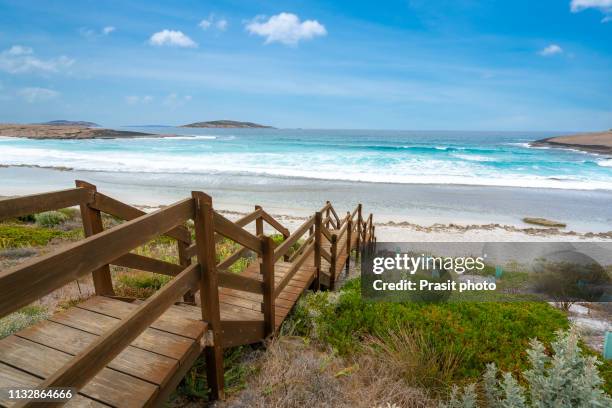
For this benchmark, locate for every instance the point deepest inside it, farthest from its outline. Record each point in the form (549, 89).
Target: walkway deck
(132, 353)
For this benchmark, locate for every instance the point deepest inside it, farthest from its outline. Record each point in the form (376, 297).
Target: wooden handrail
(301, 248)
(233, 258)
(79, 370)
(354, 212)
(326, 233)
(293, 238)
(247, 219)
(36, 203)
(232, 231)
(144, 263)
(26, 283)
(326, 255)
(294, 268)
(127, 212)
(333, 211)
(275, 224)
(325, 207)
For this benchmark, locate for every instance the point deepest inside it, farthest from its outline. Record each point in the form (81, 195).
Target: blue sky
(412, 64)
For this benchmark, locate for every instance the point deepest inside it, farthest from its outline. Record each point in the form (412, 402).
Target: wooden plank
(127, 212)
(144, 263)
(92, 224)
(247, 219)
(235, 281)
(172, 320)
(294, 268)
(205, 225)
(91, 360)
(236, 333)
(11, 377)
(190, 252)
(152, 366)
(109, 386)
(190, 359)
(233, 258)
(36, 203)
(232, 231)
(325, 232)
(157, 341)
(31, 356)
(292, 239)
(275, 224)
(333, 211)
(229, 311)
(26, 283)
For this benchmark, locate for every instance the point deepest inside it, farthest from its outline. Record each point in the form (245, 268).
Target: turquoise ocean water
(406, 157)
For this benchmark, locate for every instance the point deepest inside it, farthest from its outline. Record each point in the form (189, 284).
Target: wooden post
(209, 290)
(349, 231)
(359, 221)
(267, 270)
(286, 257)
(92, 224)
(327, 214)
(332, 268)
(317, 250)
(185, 261)
(258, 223)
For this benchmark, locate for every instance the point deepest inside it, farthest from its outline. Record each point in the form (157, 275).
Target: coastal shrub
(415, 357)
(140, 284)
(478, 332)
(50, 219)
(194, 386)
(566, 378)
(21, 319)
(18, 236)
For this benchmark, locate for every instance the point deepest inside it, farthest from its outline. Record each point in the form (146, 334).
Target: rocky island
(80, 123)
(227, 124)
(65, 132)
(595, 142)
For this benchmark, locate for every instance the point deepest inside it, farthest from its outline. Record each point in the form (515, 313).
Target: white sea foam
(423, 169)
(474, 157)
(605, 163)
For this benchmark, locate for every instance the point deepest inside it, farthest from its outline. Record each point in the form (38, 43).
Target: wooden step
(139, 376)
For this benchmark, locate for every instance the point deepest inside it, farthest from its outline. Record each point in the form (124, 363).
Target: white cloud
(222, 24)
(19, 50)
(605, 6)
(90, 33)
(135, 99)
(19, 59)
(285, 28)
(175, 100)
(552, 49)
(34, 94)
(213, 21)
(172, 38)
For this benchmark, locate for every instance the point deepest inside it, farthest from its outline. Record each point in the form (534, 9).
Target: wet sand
(402, 212)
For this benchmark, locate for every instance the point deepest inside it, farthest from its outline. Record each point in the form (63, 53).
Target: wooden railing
(32, 280)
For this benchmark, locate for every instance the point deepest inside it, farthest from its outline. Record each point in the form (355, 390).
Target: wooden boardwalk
(121, 352)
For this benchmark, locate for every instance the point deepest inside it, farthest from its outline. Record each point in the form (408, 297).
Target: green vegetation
(564, 378)
(236, 372)
(50, 218)
(19, 236)
(21, 319)
(451, 342)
